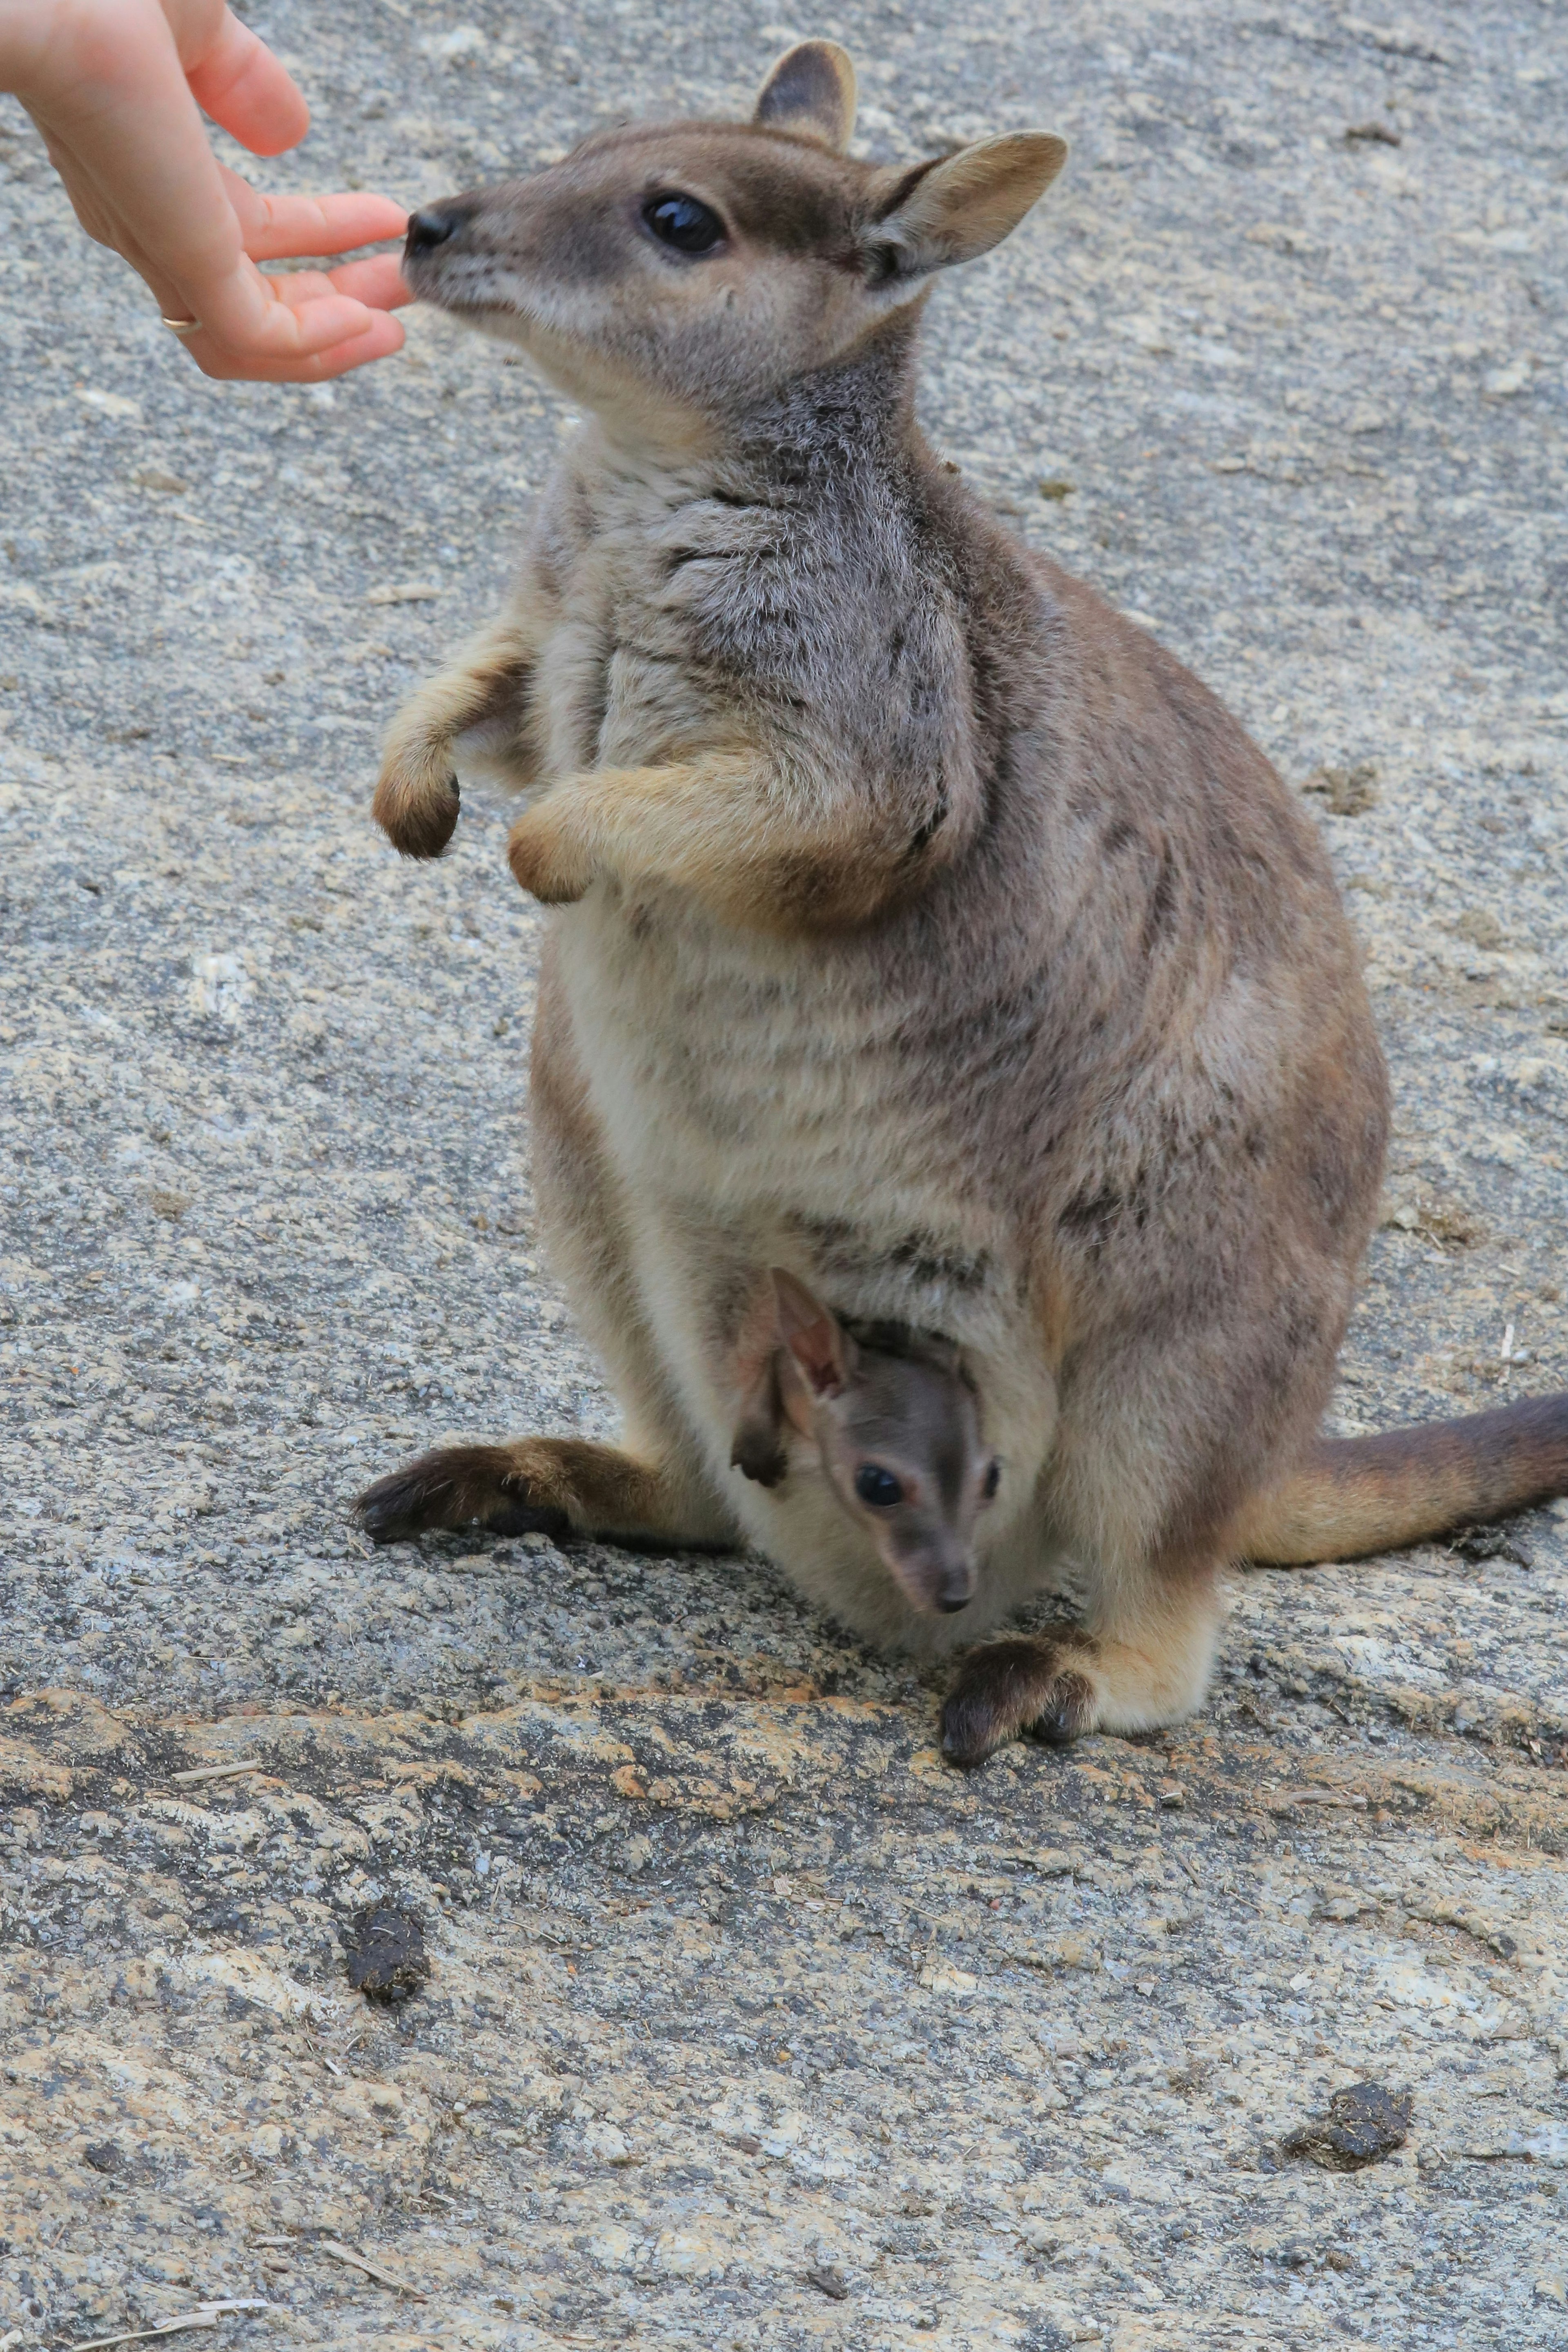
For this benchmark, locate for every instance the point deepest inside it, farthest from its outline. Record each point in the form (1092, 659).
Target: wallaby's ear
(963, 205)
(757, 1446)
(810, 93)
(817, 1344)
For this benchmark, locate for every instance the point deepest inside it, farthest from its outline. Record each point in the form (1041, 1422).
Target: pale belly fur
(762, 1108)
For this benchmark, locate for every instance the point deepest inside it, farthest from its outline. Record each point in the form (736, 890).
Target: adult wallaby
(924, 929)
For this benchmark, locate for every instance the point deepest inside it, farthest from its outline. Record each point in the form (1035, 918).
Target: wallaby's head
(673, 275)
(895, 1426)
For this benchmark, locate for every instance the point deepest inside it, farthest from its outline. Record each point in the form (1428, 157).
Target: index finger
(278, 228)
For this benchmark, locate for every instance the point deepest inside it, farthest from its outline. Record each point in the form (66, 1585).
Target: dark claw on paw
(451, 1487)
(968, 1729)
(393, 1507)
(401, 1505)
(1014, 1686)
(1068, 1716)
(425, 833)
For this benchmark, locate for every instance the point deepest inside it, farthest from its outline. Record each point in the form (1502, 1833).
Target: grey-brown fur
(927, 929)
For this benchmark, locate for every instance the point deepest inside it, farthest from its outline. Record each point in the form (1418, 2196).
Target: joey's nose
(430, 228)
(934, 1579)
(955, 1591)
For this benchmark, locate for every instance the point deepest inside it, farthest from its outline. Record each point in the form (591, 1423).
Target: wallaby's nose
(956, 1589)
(934, 1577)
(432, 227)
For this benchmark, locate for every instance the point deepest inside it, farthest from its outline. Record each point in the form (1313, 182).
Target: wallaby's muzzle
(935, 1577)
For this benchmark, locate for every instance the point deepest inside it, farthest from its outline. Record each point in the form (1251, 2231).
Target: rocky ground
(742, 2022)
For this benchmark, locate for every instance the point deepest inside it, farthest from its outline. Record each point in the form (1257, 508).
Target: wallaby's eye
(877, 1486)
(993, 1480)
(683, 223)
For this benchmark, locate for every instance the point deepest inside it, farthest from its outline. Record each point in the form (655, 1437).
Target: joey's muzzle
(936, 1583)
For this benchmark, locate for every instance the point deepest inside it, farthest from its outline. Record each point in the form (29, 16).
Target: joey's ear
(959, 207)
(810, 93)
(817, 1345)
(757, 1446)
(758, 1335)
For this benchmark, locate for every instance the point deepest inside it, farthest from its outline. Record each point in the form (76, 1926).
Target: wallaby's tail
(1359, 1494)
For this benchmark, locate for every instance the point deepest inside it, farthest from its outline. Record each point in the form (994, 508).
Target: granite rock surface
(739, 2020)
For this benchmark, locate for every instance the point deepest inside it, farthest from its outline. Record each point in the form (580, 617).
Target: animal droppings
(387, 1960)
(1364, 2123)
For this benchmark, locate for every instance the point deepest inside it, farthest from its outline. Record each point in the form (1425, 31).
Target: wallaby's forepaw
(547, 855)
(417, 803)
(1041, 1685)
(456, 1485)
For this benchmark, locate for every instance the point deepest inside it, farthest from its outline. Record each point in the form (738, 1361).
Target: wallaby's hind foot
(1142, 1661)
(1041, 1683)
(534, 1485)
(456, 1486)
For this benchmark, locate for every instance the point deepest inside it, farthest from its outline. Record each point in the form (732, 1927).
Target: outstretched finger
(380, 340)
(236, 79)
(302, 288)
(276, 229)
(378, 283)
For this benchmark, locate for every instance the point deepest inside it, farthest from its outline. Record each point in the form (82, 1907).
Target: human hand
(115, 87)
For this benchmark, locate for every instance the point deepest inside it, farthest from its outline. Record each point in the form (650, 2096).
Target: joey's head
(676, 276)
(894, 1424)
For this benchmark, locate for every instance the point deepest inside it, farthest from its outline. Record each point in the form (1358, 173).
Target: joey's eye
(877, 1486)
(683, 223)
(992, 1481)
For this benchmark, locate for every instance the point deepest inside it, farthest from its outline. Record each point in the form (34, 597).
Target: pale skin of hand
(117, 88)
